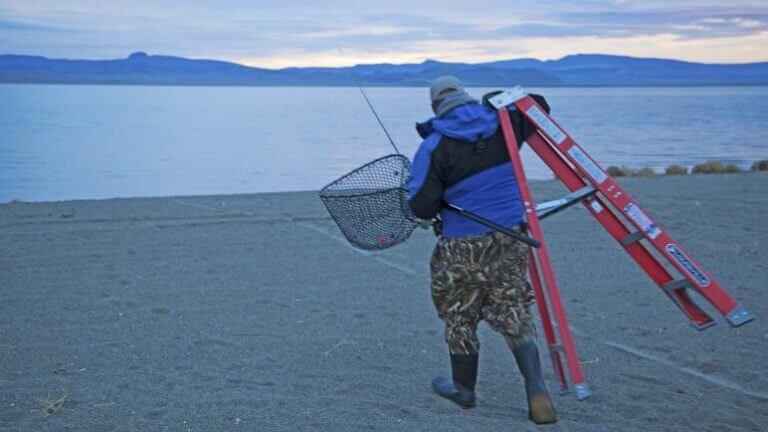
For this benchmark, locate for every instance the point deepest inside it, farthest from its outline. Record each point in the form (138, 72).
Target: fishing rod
(370, 105)
(368, 101)
(466, 213)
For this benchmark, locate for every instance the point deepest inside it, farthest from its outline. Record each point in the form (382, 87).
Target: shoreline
(619, 178)
(642, 86)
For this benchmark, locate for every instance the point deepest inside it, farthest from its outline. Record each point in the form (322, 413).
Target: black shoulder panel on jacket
(460, 159)
(453, 161)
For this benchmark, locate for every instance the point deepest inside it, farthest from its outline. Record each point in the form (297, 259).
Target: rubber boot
(460, 390)
(540, 408)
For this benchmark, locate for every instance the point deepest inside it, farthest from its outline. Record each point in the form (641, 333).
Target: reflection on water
(74, 142)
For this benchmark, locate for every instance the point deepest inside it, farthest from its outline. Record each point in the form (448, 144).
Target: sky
(276, 34)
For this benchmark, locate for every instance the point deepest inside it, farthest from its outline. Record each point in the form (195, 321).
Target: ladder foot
(581, 391)
(703, 325)
(739, 316)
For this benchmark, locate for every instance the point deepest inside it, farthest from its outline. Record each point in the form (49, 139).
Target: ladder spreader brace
(611, 205)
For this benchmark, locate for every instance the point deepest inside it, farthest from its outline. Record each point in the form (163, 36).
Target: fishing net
(370, 204)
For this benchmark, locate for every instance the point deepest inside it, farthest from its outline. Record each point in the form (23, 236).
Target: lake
(61, 142)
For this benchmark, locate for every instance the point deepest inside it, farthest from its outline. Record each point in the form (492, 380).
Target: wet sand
(250, 312)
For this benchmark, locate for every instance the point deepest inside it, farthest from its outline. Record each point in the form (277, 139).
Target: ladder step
(677, 291)
(632, 238)
(675, 285)
(549, 208)
(556, 347)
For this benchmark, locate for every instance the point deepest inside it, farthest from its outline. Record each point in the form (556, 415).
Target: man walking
(476, 274)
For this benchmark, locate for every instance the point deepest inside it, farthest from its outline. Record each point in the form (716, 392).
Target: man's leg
(461, 387)
(540, 407)
(458, 305)
(507, 310)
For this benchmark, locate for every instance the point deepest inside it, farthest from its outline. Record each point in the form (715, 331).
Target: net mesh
(370, 204)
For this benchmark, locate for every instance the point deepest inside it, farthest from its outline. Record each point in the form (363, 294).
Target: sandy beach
(251, 313)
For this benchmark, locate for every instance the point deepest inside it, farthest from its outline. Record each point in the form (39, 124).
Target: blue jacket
(464, 161)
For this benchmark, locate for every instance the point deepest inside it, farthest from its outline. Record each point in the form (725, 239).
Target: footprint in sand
(208, 344)
(645, 379)
(247, 384)
(156, 414)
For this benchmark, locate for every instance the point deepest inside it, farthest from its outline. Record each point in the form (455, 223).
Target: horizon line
(139, 52)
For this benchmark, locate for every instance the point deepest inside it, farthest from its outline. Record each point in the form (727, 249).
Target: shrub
(676, 170)
(700, 169)
(709, 167)
(761, 165)
(732, 168)
(615, 171)
(646, 172)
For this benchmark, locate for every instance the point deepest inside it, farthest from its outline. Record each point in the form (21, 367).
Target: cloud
(361, 30)
(694, 23)
(303, 32)
(733, 49)
(20, 26)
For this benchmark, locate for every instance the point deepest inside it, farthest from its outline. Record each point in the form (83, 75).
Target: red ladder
(620, 215)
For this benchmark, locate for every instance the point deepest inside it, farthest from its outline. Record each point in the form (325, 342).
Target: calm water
(73, 142)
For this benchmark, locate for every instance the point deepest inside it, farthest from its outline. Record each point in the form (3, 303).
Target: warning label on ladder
(587, 165)
(691, 268)
(642, 220)
(546, 124)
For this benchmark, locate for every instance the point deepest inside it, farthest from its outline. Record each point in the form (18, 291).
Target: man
(476, 274)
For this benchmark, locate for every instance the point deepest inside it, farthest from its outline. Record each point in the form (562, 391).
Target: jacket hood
(467, 123)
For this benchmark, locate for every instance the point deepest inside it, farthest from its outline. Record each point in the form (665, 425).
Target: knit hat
(441, 87)
(449, 93)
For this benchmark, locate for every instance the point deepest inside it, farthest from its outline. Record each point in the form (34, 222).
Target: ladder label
(587, 164)
(595, 206)
(690, 267)
(545, 123)
(643, 221)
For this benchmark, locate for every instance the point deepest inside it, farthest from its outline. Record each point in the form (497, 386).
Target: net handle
(530, 241)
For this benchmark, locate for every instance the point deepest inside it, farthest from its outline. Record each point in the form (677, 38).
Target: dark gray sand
(252, 313)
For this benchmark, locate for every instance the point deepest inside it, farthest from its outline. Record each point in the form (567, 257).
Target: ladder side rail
(602, 212)
(681, 259)
(546, 321)
(580, 387)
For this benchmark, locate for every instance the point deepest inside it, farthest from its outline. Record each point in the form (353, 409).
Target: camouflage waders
(482, 277)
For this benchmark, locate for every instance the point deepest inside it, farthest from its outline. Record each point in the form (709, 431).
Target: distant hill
(574, 70)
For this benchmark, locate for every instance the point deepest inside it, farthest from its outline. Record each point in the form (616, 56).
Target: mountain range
(572, 70)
